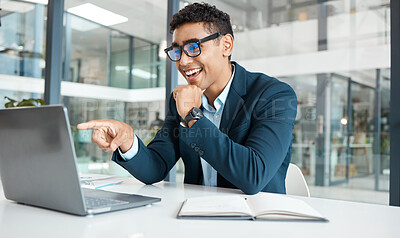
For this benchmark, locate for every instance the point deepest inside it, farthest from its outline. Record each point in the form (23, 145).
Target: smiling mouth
(193, 72)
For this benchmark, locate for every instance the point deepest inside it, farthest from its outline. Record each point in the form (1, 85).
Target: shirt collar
(221, 99)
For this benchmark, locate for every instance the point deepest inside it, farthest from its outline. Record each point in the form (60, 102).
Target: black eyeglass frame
(207, 38)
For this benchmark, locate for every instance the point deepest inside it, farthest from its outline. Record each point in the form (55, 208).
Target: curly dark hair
(215, 20)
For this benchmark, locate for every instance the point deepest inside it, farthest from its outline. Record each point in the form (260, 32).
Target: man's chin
(195, 83)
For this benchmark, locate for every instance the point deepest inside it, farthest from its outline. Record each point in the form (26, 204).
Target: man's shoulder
(252, 77)
(259, 82)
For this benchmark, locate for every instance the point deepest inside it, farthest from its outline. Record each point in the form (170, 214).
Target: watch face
(196, 112)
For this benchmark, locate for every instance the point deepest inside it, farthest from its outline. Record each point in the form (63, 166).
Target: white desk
(347, 219)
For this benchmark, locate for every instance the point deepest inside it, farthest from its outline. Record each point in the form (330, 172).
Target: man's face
(205, 69)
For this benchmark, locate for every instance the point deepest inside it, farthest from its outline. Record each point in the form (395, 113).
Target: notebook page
(215, 205)
(277, 205)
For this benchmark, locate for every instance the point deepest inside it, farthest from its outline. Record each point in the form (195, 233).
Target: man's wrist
(126, 147)
(132, 151)
(190, 123)
(193, 115)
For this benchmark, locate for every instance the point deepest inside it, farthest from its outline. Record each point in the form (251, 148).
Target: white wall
(34, 85)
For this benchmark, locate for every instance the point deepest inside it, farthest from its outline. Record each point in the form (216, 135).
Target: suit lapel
(234, 102)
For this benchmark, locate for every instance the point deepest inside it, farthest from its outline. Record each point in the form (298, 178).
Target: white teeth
(193, 71)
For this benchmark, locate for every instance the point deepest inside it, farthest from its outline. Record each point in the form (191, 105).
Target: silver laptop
(38, 165)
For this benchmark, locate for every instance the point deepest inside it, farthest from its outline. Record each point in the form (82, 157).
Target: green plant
(30, 102)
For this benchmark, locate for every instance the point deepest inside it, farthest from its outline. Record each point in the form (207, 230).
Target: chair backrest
(295, 182)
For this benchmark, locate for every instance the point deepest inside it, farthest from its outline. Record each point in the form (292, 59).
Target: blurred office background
(335, 54)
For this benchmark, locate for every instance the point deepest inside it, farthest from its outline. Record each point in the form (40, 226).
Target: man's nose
(185, 60)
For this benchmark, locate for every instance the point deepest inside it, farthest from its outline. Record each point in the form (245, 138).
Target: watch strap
(194, 114)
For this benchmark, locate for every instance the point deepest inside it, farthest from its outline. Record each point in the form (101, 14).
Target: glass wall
(107, 56)
(22, 34)
(119, 61)
(339, 159)
(105, 69)
(98, 55)
(103, 56)
(335, 55)
(88, 51)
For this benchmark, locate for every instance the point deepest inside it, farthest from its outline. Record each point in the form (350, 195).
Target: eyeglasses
(191, 49)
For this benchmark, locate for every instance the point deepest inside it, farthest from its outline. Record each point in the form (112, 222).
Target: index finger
(94, 124)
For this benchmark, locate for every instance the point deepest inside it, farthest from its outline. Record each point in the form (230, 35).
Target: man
(231, 127)
(157, 123)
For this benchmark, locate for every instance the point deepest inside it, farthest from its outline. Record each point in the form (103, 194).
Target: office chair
(295, 182)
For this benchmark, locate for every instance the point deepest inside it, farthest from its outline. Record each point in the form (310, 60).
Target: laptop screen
(37, 158)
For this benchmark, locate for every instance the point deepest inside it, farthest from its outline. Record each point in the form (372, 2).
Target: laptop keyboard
(92, 202)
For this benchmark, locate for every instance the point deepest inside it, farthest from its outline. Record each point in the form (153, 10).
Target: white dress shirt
(214, 115)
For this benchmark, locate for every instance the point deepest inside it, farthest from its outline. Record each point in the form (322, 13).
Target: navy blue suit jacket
(251, 150)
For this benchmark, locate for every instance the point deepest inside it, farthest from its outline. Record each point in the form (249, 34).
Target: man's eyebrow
(190, 40)
(174, 44)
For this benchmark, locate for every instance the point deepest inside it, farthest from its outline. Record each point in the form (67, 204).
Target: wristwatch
(194, 113)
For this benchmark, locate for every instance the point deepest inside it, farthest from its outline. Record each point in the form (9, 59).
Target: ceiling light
(21, 7)
(343, 121)
(97, 14)
(38, 1)
(137, 72)
(143, 74)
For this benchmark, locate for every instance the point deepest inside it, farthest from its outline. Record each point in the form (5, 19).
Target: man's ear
(227, 45)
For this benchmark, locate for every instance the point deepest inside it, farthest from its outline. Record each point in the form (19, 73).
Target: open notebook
(260, 206)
